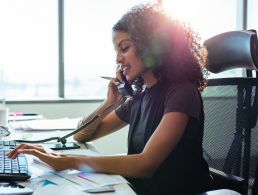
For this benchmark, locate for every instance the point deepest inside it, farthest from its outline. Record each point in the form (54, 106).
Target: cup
(4, 112)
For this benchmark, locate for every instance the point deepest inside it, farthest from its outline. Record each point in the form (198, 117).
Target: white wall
(111, 144)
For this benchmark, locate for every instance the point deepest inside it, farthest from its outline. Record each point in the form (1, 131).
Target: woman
(162, 58)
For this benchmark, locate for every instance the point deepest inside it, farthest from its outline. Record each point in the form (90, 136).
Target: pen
(108, 78)
(29, 114)
(24, 114)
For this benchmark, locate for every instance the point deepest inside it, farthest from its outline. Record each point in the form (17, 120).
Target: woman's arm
(157, 149)
(106, 123)
(161, 143)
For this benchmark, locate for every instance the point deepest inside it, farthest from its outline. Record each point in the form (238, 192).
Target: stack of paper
(46, 124)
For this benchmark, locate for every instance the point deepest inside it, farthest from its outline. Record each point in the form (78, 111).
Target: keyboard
(12, 169)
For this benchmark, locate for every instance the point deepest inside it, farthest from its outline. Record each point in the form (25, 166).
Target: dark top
(184, 171)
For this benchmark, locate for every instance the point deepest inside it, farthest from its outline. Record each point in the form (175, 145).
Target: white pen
(108, 78)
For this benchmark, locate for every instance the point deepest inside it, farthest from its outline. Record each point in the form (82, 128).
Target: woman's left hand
(56, 161)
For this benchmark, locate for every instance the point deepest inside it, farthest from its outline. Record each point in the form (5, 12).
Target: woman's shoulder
(183, 92)
(185, 86)
(183, 97)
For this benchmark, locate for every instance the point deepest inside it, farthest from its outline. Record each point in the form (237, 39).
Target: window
(252, 15)
(89, 51)
(28, 49)
(29, 42)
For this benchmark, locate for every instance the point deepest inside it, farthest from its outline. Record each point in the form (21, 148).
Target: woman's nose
(119, 58)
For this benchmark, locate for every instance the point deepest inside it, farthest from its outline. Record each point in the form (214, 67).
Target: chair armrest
(227, 181)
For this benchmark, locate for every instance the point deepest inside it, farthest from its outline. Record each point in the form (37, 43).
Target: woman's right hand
(57, 161)
(113, 95)
(16, 151)
(114, 99)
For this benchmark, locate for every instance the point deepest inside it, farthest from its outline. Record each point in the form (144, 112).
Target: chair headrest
(233, 49)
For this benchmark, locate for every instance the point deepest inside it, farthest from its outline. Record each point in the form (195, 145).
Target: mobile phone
(60, 146)
(125, 88)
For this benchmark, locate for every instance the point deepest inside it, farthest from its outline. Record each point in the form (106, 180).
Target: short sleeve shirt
(156, 101)
(180, 97)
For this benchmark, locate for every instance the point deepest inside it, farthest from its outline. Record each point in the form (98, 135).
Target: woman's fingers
(11, 153)
(114, 82)
(14, 153)
(45, 154)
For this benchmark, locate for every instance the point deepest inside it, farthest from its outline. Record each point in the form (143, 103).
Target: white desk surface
(120, 189)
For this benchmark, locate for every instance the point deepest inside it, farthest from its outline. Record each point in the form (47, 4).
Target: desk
(120, 189)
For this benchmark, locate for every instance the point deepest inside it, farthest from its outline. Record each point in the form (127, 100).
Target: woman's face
(130, 64)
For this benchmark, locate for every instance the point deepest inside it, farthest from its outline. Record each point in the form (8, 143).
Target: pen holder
(4, 113)
(4, 116)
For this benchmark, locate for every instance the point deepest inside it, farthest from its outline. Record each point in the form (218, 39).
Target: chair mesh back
(228, 111)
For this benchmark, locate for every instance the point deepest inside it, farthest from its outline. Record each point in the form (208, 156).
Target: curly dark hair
(166, 45)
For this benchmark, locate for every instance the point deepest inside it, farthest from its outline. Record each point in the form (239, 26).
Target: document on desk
(43, 176)
(46, 124)
(85, 181)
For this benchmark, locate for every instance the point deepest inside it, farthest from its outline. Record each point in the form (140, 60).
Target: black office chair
(231, 109)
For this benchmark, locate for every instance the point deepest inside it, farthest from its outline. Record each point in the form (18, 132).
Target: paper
(46, 124)
(84, 181)
(102, 179)
(81, 180)
(43, 175)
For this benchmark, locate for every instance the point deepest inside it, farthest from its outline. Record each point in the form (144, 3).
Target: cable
(61, 139)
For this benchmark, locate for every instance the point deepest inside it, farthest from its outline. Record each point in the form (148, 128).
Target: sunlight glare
(207, 17)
